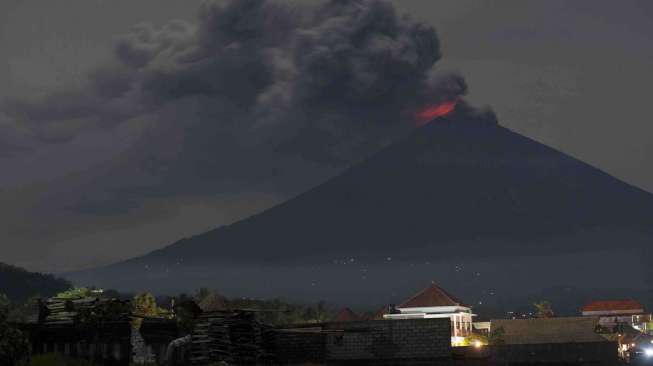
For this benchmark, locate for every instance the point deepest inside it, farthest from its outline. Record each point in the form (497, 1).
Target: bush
(496, 336)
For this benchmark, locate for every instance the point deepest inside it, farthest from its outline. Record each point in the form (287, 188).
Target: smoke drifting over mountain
(256, 96)
(255, 84)
(346, 73)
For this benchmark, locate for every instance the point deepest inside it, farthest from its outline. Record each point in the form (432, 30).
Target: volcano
(459, 187)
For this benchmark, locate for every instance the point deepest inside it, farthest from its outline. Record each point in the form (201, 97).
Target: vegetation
(543, 309)
(14, 347)
(271, 311)
(75, 293)
(144, 305)
(497, 336)
(20, 285)
(279, 312)
(19, 312)
(317, 313)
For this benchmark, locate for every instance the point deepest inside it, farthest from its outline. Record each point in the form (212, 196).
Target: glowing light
(434, 111)
(457, 341)
(478, 344)
(648, 352)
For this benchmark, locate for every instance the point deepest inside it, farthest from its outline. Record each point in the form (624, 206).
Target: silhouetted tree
(19, 284)
(317, 313)
(201, 294)
(186, 312)
(14, 347)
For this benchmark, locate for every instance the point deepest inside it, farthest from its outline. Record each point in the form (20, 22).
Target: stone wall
(141, 352)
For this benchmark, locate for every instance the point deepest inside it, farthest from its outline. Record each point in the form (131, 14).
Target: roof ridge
(624, 304)
(439, 291)
(347, 314)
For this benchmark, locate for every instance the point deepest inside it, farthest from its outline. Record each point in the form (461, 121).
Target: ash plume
(273, 70)
(255, 96)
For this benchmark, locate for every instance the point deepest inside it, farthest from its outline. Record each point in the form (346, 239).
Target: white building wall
(460, 317)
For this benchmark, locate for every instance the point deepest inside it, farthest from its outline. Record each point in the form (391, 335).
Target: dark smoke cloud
(255, 96)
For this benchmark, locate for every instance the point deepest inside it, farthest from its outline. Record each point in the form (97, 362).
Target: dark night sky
(88, 182)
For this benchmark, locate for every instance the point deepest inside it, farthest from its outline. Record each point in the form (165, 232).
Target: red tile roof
(346, 315)
(378, 315)
(431, 296)
(613, 305)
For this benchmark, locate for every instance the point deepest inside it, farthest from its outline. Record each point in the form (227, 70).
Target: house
(614, 313)
(435, 302)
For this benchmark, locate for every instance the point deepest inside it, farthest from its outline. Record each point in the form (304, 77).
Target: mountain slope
(19, 284)
(459, 187)
(458, 179)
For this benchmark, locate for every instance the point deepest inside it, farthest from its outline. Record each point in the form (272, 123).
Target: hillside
(460, 188)
(19, 284)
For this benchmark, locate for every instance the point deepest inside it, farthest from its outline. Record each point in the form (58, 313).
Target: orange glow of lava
(434, 111)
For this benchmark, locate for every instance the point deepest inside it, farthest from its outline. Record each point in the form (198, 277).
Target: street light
(648, 352)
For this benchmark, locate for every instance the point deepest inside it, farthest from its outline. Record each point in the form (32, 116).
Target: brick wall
(407, 340)
(299, 348)
(141, 353)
